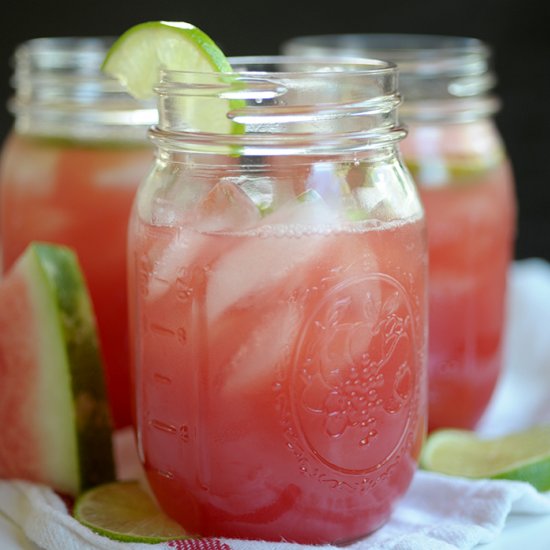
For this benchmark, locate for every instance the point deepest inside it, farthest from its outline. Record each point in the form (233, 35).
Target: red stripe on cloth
(198, 544)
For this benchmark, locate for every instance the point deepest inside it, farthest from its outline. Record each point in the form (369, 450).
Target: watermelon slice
(55, 426)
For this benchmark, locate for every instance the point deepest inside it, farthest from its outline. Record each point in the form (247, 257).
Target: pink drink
(299, 352)
(470, 213)
(278, 304)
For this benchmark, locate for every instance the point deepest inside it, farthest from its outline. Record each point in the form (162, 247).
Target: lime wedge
(138, 55)
(124, 511)
(523, 456)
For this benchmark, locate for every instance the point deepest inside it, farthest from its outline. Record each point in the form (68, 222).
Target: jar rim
(282, 102)
(42, 44)
(63, 52)
(59, 89)
(400, 41)
(411, 52)
(454, 74)
(326, 65)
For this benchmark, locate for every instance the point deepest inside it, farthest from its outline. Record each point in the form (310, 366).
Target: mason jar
(69, 169)
(277, 282)
(459, 162)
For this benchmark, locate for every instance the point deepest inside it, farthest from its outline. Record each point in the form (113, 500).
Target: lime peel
(124, 511)
(523, 455)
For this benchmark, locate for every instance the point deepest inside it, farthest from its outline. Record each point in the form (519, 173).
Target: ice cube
(226, 207)
(369, 203)
(324, 179)
(262, 352)
(306, 213)
(400, 199)
(259, 189)
(223, 208)
(290, 243)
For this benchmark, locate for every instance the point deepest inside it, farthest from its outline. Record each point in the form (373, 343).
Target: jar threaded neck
(60, 91)
(281, 103)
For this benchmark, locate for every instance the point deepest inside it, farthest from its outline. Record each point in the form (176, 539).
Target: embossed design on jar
(355, 376)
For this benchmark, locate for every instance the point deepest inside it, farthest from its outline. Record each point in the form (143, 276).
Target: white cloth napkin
(522, 397)
(438, 512)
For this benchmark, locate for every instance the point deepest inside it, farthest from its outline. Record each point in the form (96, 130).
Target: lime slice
(124, 511)
(523, 456)
(138, 55)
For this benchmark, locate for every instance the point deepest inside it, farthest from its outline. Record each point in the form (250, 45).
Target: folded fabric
(438, 512)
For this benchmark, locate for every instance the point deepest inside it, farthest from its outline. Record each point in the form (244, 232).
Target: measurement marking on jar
(163, 426)
(165, 473)
(184, 433)
(161, 330)
(182, 335)
(160, 279)
(161, 378)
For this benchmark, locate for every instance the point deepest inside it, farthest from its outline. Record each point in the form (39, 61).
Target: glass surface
(278, 272)
(459, 162)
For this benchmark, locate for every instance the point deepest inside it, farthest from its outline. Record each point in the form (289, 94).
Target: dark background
(517, 30)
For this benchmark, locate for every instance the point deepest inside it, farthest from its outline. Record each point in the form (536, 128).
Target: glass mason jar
(458, 159)
(69, 170)
(278, 277)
